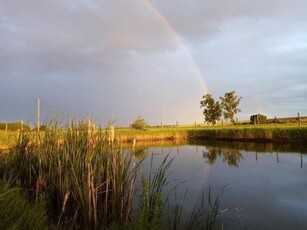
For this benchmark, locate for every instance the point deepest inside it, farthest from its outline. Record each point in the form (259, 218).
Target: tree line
(227, 106)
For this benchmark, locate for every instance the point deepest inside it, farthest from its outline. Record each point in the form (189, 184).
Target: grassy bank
(266, 134)
(282, 133)
(152, 134)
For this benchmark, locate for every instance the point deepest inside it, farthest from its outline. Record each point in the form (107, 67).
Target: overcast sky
(116, 59)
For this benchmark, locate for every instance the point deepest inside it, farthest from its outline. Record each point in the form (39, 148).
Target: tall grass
(86, 182)
(17, 213)
(205, 214)
(152, 200)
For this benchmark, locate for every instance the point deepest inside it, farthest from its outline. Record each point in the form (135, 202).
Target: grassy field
(8, 139)
(291, 132)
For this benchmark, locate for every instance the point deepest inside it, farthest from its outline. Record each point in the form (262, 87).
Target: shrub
(258, 119)
(139, 124)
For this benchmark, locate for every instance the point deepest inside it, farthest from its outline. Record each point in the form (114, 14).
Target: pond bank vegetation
(78, 179)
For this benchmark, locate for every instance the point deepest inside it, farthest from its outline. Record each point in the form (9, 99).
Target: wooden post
(302, 160)
(195, 124)
(277, 158)
(299, 119)
(161, 121)
(133, 143)
(38, 113)
(256, 156)
(222, 123)
(6, 127)
(176, 124)
(21, 125)
(275, 121)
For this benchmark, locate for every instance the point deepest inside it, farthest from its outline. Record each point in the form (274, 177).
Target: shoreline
(293, 135)
(257, 135)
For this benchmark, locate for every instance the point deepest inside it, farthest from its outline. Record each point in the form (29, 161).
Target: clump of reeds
(151, 205)
(88, 182)
(205, 214)
(77, 161)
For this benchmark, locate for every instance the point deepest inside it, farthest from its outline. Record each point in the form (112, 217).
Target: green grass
(16, 212)
(258, 133)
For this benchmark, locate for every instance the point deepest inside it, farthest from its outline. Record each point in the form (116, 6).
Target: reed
(97, 176)
(205, 216)
(152, 203)
(84, 181)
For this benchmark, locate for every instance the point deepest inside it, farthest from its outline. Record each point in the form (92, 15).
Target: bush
(258, 119)
(139, 124)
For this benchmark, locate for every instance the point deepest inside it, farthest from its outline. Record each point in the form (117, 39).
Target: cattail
(67, 194)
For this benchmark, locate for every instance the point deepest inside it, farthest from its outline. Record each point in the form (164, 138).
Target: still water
(266, 186)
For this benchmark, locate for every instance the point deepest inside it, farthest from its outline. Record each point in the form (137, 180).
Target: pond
(265, 186)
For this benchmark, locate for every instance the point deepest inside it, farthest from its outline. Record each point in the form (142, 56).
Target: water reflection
(231, 156)
(232, 153)
(257, 147)
(268, 184)
(139, 153)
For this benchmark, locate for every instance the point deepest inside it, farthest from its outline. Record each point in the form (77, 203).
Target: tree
(229, 104)
(139, 123)
(258, 119)
(212, 110)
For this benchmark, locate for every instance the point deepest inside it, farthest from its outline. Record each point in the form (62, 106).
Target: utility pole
(38, 113)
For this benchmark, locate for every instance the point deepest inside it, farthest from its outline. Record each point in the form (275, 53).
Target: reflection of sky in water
(270, 187)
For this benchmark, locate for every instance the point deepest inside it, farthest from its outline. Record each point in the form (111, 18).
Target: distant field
(7, 139)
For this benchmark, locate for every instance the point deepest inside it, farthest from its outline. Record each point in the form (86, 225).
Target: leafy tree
(212, 109)
(139, 123)
(229, 104)
(258, 119)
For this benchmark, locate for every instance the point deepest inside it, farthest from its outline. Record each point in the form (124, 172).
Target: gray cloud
(117, 59)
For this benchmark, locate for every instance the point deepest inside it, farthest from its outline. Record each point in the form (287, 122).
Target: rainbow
(171, 29)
